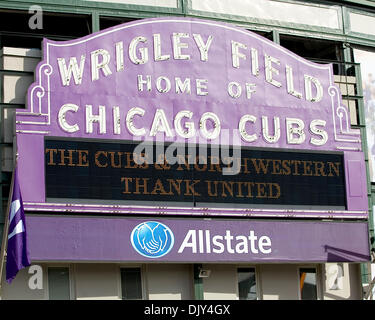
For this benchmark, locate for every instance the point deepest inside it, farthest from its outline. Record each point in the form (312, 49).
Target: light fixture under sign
(203, 273)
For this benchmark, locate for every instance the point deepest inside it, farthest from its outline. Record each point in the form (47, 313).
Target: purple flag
(17, 252)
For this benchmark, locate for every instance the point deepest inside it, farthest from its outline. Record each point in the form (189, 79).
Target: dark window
(310, 48)
(265, 34)
(16, 32)
(58, 283)
(107, 22)
(308, 287)
(317, 50)
(246, 284)
(131, 284)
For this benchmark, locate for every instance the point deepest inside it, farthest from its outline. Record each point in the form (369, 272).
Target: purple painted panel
(246, 85)
(356, 182)
(196, 240)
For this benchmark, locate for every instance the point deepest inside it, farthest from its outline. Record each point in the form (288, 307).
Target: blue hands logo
(152, 239)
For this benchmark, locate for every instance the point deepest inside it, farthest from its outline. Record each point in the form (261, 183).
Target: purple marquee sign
(183, 80)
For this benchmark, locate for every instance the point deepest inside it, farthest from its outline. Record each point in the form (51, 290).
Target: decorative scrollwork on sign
(38, 109)
(343, 133)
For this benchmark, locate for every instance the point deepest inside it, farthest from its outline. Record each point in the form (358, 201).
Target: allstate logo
(152, 239)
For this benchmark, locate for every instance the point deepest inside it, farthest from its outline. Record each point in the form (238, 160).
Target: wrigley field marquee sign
(186, 116)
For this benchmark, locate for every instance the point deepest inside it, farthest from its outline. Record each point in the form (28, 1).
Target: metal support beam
(275, 36)
(95, 23)
(198, 283)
